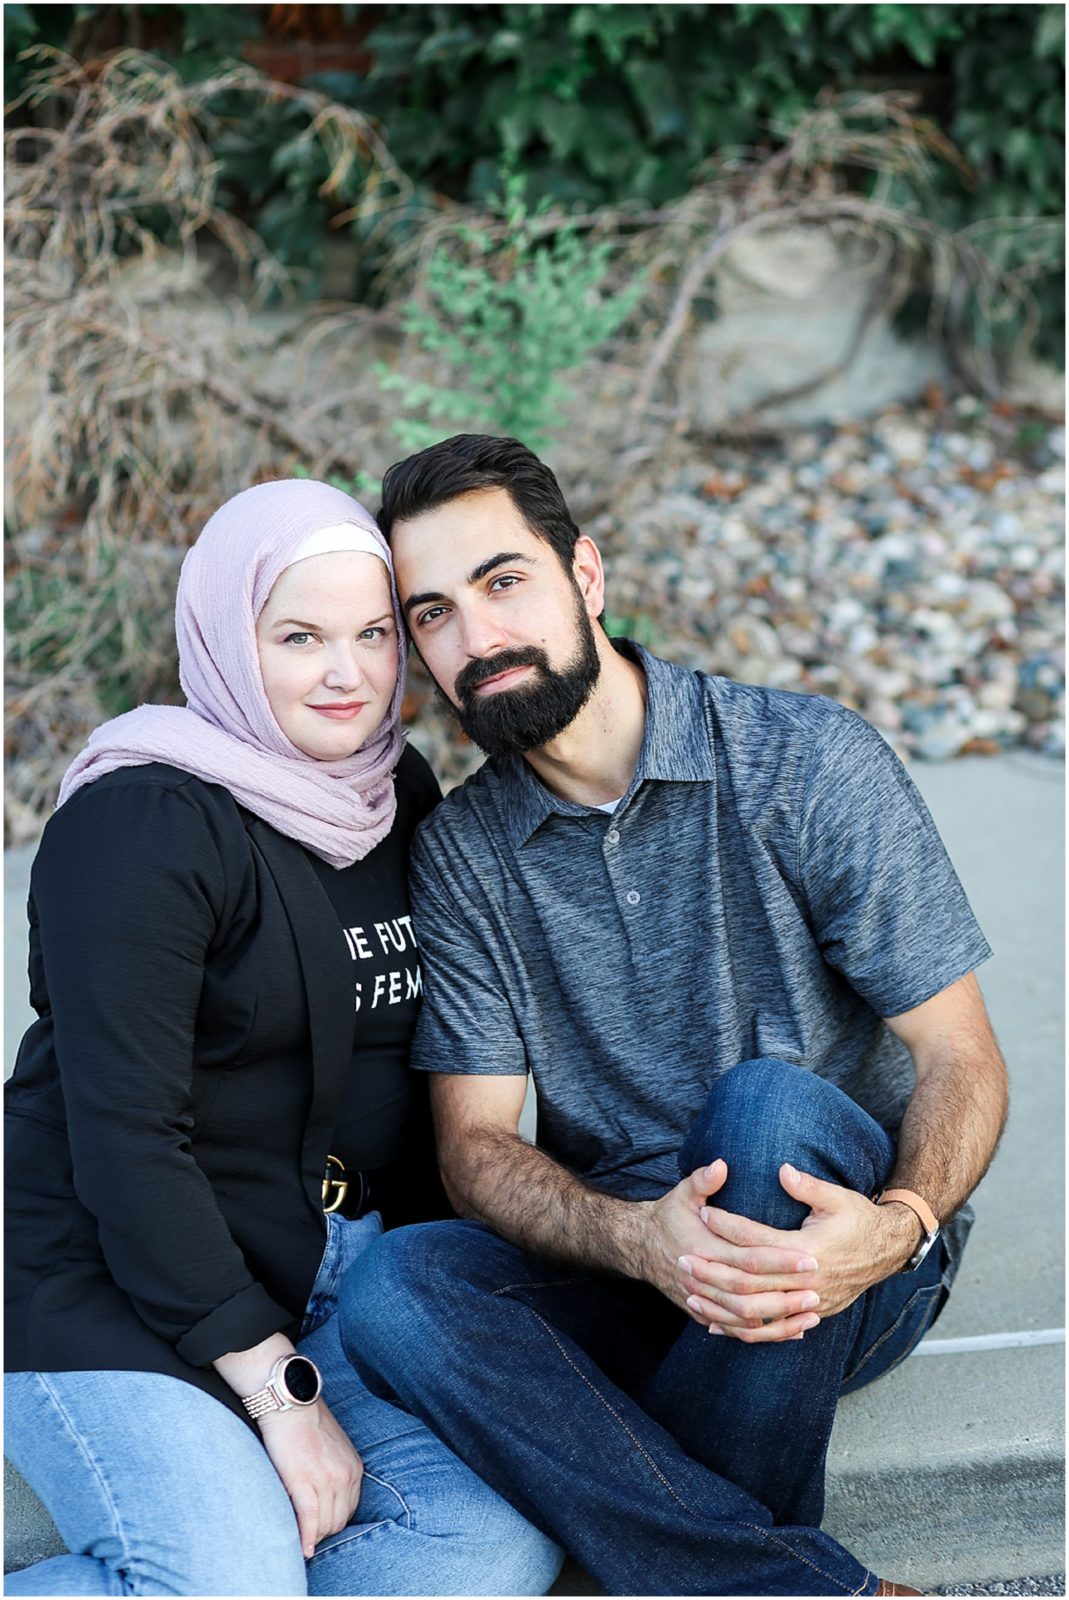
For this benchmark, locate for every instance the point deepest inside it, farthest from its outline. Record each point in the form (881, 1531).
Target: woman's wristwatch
(925, 1216)
(294, 1381)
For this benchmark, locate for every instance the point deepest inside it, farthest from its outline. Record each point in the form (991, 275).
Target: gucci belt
(335, 1184)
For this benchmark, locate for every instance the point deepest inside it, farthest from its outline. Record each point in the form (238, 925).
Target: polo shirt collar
(675, 745)
(675, 748)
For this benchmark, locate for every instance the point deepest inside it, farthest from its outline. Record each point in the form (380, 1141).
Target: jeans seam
(359, 1530)
(349, 1535)
(929, 1290)
(616, 1417)
(756, 1528)
(398, 1496)
(94, 1468)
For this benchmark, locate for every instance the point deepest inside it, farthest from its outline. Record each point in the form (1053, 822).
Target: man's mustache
(477, 672)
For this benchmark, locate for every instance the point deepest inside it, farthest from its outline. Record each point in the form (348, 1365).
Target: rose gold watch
(294, 1381)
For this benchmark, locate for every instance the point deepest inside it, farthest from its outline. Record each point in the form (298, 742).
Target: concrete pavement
(949, 1470)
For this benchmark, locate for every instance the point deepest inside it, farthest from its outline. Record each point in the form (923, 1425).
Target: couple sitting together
(256, 1345)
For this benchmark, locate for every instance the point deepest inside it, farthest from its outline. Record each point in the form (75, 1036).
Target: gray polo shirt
(771, 884)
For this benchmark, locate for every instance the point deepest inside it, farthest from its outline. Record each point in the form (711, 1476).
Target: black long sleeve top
(171, 1110)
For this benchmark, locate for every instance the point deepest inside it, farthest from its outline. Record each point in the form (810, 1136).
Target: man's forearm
(956, 1113)
(951, 1128)
(497, 1177)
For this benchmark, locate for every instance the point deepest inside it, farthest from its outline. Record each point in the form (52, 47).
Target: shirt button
(633, 897)
(614, 836)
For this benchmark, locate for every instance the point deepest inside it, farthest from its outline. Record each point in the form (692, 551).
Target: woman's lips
(341, 713)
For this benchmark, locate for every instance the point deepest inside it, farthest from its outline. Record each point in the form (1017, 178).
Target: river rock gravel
(911, 566)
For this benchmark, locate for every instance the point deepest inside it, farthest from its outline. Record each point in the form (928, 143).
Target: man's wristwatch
(294, 1381)
(925, 1216)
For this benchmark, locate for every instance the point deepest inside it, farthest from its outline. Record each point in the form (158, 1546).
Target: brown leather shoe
(885, 1586)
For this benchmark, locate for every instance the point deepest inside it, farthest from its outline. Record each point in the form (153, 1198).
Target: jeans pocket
(347, 1239)
(888, 1346)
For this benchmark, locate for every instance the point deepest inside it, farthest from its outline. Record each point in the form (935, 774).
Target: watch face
(301, 1378)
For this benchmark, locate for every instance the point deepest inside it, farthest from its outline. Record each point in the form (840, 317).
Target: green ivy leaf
(1050, 32)
(656, 92)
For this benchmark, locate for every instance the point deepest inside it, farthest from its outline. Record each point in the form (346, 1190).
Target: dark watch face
(301, 1379)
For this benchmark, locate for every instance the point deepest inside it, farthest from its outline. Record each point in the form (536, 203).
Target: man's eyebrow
(421, 600)
(487, 566)
(430, 596)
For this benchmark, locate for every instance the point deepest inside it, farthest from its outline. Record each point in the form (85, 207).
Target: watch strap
(924, 1215)
(265, 1400)
(920, 1208)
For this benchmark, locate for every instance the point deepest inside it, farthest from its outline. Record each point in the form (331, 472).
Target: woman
(213, 1109)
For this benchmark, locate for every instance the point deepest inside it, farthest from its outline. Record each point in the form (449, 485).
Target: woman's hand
(320, 1470)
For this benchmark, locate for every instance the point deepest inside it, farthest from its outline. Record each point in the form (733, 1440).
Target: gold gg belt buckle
(335, 1184)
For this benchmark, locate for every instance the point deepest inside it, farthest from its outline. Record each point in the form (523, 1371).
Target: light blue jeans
(156, 1488)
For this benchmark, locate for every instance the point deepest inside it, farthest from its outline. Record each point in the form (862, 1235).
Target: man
(716, 924)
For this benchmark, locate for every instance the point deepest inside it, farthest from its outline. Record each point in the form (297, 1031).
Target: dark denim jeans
(665, 1461)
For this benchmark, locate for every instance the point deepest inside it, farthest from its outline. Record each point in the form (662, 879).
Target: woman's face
(328, 649)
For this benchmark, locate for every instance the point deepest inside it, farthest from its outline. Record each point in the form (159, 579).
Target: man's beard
(513, 721)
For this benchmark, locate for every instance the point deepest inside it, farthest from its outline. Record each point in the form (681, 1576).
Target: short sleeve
(885, 904)
(129, 890)
(466, 1023)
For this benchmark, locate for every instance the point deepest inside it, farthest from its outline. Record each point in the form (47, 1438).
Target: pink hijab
(226, 732)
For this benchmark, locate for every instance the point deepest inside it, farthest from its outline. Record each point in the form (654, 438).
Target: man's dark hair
(472, 461)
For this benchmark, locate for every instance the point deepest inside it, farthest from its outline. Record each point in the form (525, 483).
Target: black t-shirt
(371, 900)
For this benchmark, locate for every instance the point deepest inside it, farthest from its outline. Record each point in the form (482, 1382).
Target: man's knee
(765, 1112)
(404, 1285)
(392, 1278)
(760, 1110)
(409, 1264)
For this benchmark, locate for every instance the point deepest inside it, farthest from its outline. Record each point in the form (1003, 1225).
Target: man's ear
(589, 574)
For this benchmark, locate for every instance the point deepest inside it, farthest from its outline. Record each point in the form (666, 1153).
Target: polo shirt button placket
(613, 836)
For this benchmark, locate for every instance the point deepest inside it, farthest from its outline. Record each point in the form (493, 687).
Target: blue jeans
(665, 1461)
(156, 1488)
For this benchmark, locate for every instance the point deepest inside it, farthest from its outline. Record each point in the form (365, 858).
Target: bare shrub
(978, 279)
(139, 397)
(136, 398)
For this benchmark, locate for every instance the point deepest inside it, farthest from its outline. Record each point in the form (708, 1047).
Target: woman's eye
(372, 633)
(296, 638)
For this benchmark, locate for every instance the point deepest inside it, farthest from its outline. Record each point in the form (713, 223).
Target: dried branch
(802, 185)
(136, 398)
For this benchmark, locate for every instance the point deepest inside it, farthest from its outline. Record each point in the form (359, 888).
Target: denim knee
(149, 1477)
(452, 1535)
(391, 1298)
(434, 1528)
(765, 1112)
(406, 1266)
